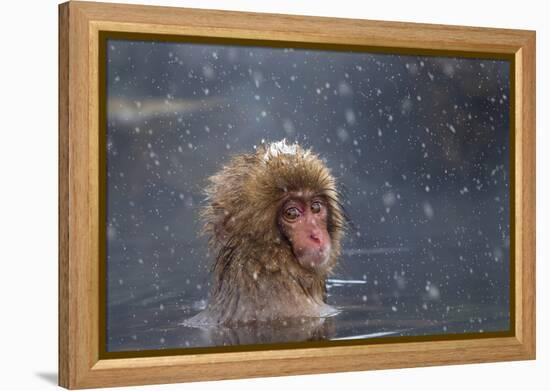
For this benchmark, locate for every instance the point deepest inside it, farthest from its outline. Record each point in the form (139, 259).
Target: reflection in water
(289, 330)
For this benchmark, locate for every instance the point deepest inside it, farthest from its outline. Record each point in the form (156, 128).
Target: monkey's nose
(313, 236)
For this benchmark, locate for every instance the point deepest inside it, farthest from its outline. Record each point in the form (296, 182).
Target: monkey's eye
(316, 206)
(292, 213)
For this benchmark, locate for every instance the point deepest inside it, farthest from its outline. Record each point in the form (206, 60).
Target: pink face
(303, 220)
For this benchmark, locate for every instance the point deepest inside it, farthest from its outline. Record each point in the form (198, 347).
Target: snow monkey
(275, 221)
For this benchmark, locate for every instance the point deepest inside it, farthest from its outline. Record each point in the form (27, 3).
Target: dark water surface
(410, 309)
(420, 144)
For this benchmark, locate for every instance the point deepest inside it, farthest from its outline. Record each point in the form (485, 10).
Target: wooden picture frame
(81, 364)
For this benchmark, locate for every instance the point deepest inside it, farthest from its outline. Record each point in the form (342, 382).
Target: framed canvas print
(251, 195)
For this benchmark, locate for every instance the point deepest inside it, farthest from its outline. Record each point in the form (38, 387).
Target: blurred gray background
(420, 144)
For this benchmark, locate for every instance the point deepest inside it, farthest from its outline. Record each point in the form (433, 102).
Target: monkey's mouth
(314, 258)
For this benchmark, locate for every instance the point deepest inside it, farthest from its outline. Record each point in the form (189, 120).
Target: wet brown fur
(256, 275)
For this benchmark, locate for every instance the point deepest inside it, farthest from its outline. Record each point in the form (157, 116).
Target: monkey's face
(303, 221)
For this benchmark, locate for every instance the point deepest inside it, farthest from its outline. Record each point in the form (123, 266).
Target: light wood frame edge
(79, 364)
